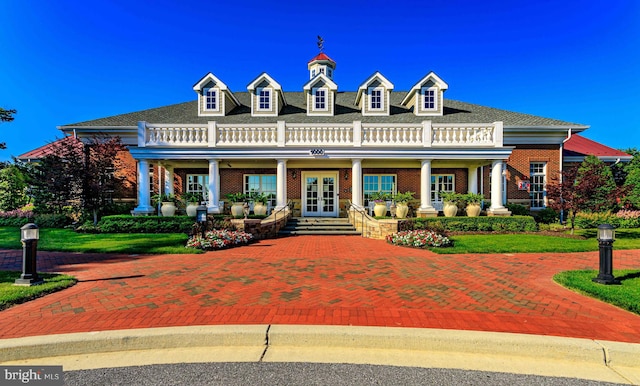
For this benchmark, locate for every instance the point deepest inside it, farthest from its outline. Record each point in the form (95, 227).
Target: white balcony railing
(356, 134)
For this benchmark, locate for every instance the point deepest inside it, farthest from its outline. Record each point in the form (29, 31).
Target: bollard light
(606, 237)
(29, 235)
(201, 217)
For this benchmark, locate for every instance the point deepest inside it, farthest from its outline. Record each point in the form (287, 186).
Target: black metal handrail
(363, 214)
(275, 221)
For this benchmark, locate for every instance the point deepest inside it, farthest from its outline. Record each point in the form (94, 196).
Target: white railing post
(498, 128)
(211, 131)
(357, 134)
(142, 134)
(280, 136)
(427, 135)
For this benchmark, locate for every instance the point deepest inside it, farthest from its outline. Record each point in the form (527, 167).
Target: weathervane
(320, 43)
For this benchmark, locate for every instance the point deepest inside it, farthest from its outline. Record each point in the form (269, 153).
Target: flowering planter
(401, 210)
(450, 209)
(259, 209)
(168, 209)
(236, 209)
(192, 209)
(380, 209)
(473, 210)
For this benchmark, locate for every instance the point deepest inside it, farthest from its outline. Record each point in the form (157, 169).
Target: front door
(320, 194)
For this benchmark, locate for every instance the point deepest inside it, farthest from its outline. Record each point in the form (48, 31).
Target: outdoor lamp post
(606, 237)
(201, 217)
(29, 235)
(245, 210)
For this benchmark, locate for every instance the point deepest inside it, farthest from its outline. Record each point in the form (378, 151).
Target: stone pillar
(214, 187)
(426, 207)
(356, 182)
(281, 184)
(144, 194)
(497, 209)
(473, 179)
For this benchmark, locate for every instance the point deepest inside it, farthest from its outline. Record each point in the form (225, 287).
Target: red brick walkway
(340, 280)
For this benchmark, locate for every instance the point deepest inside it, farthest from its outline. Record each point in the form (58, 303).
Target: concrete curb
(470, 350)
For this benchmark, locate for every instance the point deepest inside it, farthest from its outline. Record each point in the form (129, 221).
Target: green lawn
(533, 243)
(11, 294)
(626, 295)
(66, 240)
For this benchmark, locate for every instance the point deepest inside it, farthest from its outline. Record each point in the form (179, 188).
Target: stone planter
(168, 209)
(236, 209)
(401, 210)
(473, 210)
(192, 209)
(259, 209)
(380, 209)
(450, 209)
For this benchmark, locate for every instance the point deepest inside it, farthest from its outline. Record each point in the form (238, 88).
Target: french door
(320, 194)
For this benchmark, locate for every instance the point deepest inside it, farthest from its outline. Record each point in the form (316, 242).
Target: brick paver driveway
(342, 280)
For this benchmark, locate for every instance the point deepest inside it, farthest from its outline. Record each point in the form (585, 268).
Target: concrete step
(318, 226)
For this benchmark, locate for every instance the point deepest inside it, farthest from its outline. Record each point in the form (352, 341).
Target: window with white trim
(329, 72)
(211, 99)
(264, 99)
(429, 99)
(320, 99)
(537, 179)
(261, 183)
(372, 183)
(441, 183)
(375, 99)
(198, 184)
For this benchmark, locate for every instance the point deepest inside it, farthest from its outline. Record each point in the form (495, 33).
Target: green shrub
(586, 220)
(156, 224)
(476, 224)
(546, 216)
(518, 210)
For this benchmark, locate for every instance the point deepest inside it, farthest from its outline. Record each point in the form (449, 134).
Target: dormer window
(329, 73)
(322, 70)
(375, 98)
(320, 99)
(211, 102)
(313, 73)
(264, 99)
(429, 100)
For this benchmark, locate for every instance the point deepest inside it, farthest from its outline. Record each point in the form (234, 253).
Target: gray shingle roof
(346, 111)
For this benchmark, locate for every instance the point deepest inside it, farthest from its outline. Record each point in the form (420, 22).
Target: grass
(66, 240)
(537, 243)
(625, 295)
(11, 294)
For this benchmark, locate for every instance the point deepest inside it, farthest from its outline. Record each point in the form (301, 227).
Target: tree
(631, 198)
(584, 187)
(6, 116)
(13, 188)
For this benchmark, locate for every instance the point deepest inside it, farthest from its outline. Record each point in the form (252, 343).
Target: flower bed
(218, 239)
(420, 238)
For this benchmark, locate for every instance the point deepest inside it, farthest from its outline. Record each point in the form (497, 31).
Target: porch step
(318, 226)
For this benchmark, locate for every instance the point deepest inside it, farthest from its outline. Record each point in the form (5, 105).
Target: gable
(214, 97)
(373, 95)
(427, 96)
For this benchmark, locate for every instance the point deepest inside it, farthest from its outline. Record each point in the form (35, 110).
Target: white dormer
(427, 96)
(214, 97)
(374, 95)
(267, 98)
(320, 93)
(321, 64)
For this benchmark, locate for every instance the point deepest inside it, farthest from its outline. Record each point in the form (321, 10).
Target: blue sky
(68, 61)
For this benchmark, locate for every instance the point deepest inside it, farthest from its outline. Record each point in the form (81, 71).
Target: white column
(426, 207)
(473, 179)
(144, 196)
(214, 187)
(281, 184)
(168, 179)
(356, 182)
(496, 185)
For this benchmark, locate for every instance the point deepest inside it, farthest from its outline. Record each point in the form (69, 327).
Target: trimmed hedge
(477, 224)
(623, 219)
(41, 220)
(152, 224)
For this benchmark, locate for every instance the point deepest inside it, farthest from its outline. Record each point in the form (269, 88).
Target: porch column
(356, 182)
(426, 208)
(281, 184)
(497, 209)
(473, 179)
(168, 179)
(144, 196)
(214, 187)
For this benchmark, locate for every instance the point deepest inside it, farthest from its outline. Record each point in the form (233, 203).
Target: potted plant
(473, 201)
(259, 203)
(450, 203)
(402, 201)
(192, 201)
(237, 202)
(168, 201)
(380, 199)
